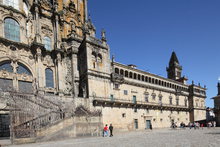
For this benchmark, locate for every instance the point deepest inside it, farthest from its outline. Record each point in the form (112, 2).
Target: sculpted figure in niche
(72, 7)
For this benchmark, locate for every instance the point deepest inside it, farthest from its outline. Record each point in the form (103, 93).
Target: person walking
(111, 130)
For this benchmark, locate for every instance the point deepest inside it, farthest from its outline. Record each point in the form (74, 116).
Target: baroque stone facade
(48, 50)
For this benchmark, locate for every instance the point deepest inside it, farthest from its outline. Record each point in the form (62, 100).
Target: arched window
(47, 43)
(22, 83)
(6, 66)
(149, 79)
(152, 80)
(121, 72)
(126, 73)
(22, 69)
(135, 76)
(139, 77)
(12, 29)
(99, 58)
(49, 78)
(116, 70)
(130, 74)
(13, 3)
(5, 83)
(146, 79)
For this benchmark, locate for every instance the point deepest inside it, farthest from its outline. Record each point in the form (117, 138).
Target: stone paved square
(156, 138)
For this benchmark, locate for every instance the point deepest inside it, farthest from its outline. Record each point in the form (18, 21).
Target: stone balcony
(122, 103)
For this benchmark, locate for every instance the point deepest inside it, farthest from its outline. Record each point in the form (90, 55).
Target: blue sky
(145, 32)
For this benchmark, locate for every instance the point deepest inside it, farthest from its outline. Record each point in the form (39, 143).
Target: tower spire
(174, 70)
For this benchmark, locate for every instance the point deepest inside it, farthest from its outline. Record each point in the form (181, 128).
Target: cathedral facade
(49, 48)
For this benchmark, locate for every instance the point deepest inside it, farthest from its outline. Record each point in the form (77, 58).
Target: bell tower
(174, 70)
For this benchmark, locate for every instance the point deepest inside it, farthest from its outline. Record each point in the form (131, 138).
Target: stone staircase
(43, 118)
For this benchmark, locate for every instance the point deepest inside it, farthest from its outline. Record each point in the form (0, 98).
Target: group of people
(211, 124)
(106, 131)
(195, 125)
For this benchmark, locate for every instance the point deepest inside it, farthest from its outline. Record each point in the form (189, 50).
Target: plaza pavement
(156, 138)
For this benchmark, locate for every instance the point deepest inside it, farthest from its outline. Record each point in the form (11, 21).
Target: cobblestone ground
(156, 138)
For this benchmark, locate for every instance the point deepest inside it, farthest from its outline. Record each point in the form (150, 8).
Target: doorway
(148, 122)
(4, 125)
(136, 123)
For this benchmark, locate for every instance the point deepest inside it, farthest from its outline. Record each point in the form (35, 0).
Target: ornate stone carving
(59, 58)
(117, 78)
(48, 61)
(46, 4)
(31, 60)
(68, 77)
(46, 30)
(72, 7)
(39, 53)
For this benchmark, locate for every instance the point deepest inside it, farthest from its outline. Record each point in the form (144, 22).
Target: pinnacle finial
(113, 58)
(103, 35)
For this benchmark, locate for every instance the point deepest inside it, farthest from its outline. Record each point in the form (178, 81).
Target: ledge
(139, 104)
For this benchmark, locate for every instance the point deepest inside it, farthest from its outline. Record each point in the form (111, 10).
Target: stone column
(75, 76)
(37, 23)
(59, 74)
(15, 80)
(1, 26)
(85, 10)
(56, 27)
(39, 72)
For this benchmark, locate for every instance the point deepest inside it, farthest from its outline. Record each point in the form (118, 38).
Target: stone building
(53, 68)
(217, 106)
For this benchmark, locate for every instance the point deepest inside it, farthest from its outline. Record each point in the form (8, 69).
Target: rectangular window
(125, 92)
(112, 97)
(153, 96)
(116, 86)
(171, 101)
(6, 85)
(186, 103)
(177, 101)
(134, 99)
(25, 87)
(146, 98)
(4, 125)
(136, 123)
